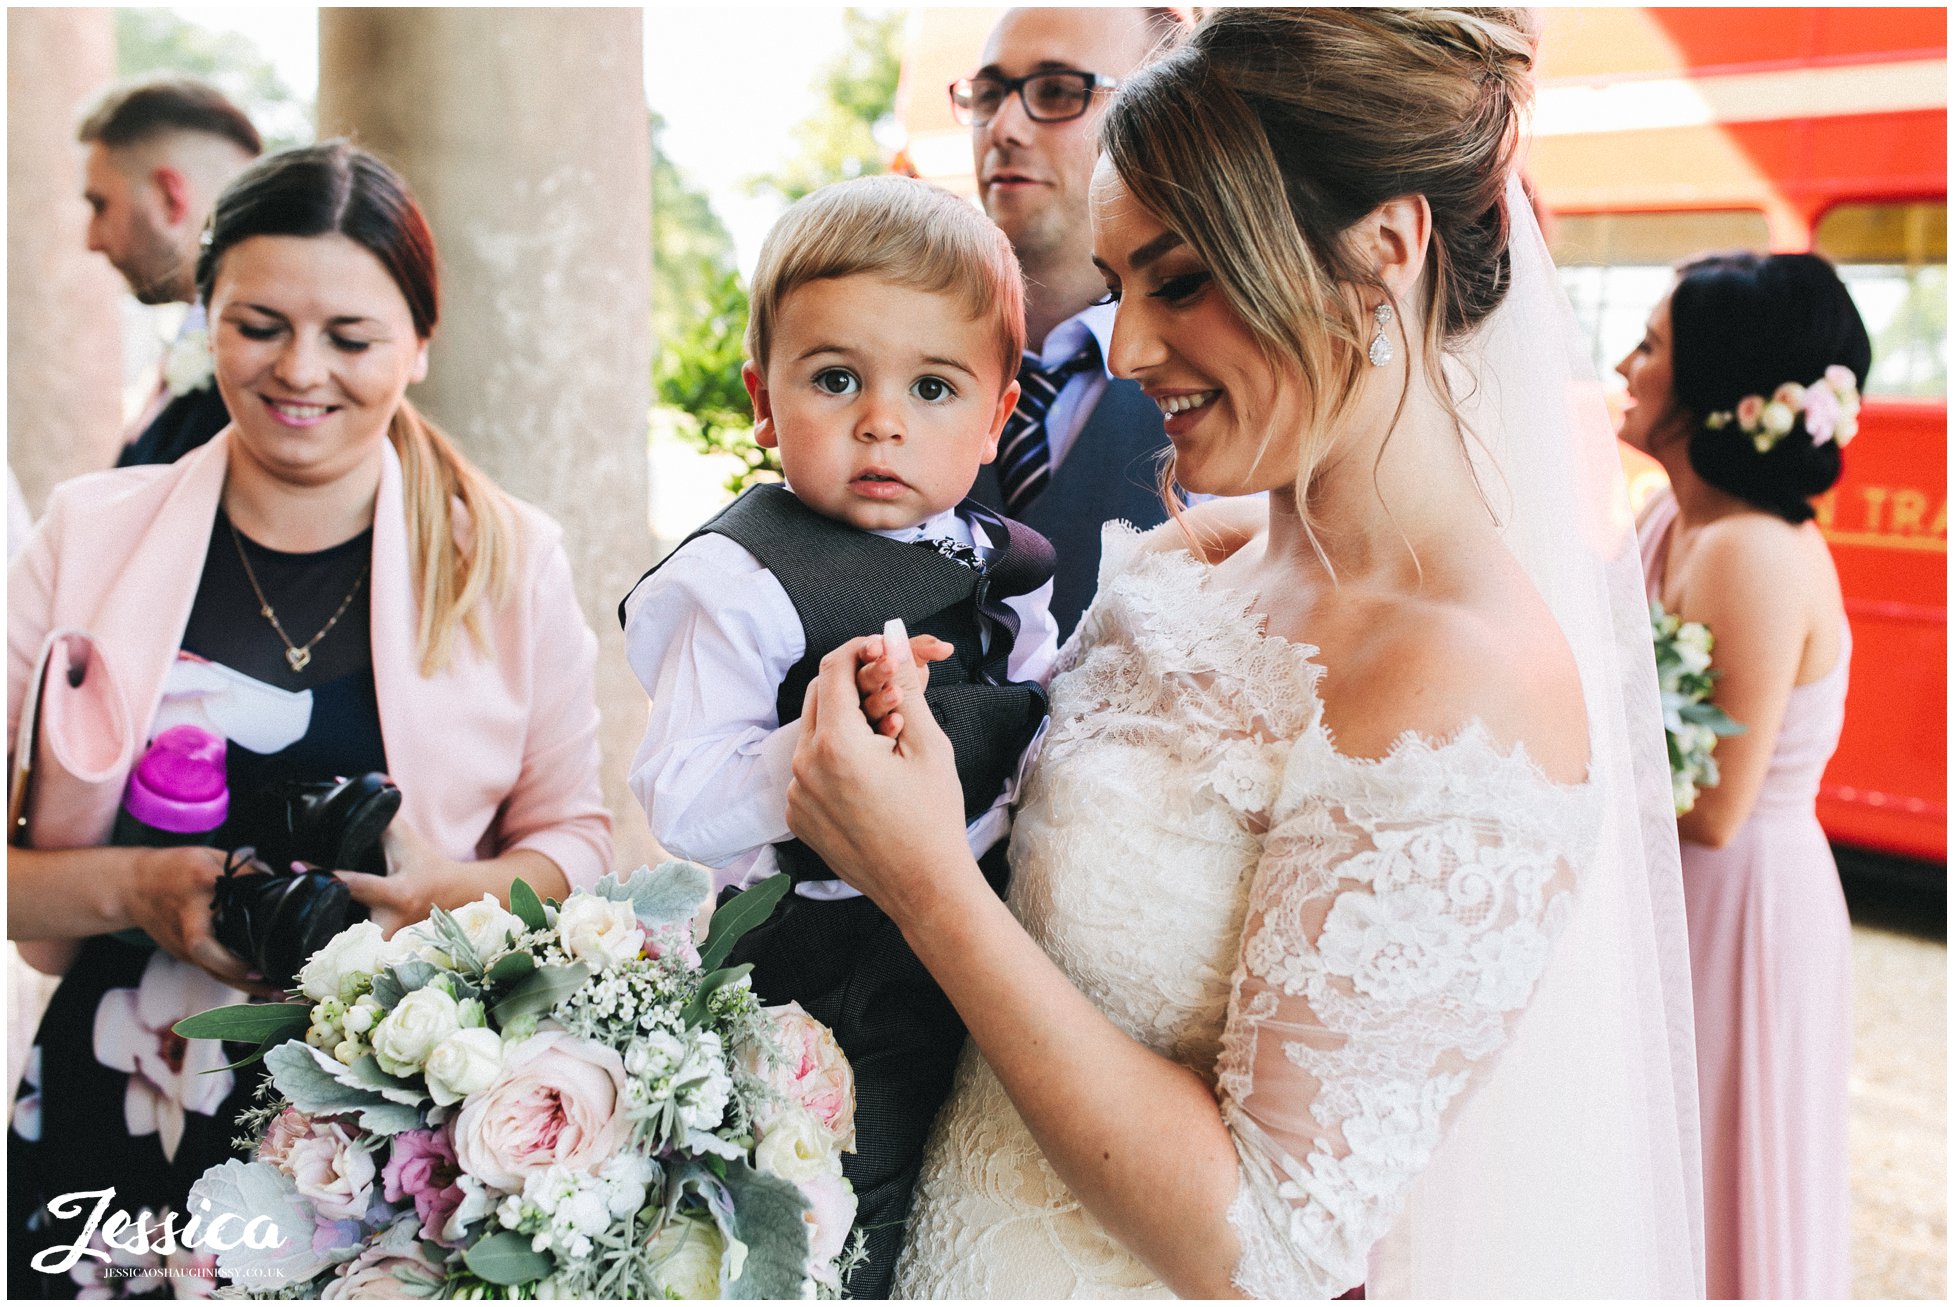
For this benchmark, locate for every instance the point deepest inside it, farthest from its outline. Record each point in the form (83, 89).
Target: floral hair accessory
(1830, 406)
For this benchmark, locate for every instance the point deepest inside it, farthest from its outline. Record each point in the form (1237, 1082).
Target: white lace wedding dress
(1339, 945)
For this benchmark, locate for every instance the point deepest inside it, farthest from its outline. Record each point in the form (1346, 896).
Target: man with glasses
(1080, 450)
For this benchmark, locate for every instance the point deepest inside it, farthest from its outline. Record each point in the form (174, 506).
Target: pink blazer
(497, 752)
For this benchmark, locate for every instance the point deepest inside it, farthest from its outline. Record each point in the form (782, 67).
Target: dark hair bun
(1744, 324)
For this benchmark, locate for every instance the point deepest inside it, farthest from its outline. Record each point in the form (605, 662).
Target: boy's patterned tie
(1024, 455)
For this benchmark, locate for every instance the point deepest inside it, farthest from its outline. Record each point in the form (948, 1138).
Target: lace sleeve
(1399, 917)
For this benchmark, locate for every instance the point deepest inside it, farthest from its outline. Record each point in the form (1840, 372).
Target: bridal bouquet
(1691, 721)
(547, 1100)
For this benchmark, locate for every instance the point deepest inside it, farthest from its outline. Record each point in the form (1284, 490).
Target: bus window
(1893, 258)
(1615, 266)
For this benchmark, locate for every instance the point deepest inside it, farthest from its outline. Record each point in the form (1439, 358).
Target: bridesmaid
(1745, 388)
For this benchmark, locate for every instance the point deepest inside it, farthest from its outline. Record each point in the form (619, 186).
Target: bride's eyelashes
(1175, 290)
(1181, 289)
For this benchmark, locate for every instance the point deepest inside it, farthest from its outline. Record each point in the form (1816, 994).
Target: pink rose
(423, 1167)
(332, 1171)
(1749, 410)
(287, 1128)
(831, 1214)
(1821, 413)
(809, 1071)
(554, 1103)
(674, 940)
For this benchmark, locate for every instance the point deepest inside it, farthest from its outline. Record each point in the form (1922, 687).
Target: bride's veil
(1574, 1170)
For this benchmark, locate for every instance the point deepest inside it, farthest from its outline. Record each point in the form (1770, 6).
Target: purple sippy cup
(177, 791)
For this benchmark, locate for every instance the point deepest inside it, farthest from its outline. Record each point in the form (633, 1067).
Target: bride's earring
(1380, 350)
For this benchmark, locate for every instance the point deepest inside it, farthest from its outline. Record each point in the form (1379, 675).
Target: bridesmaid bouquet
(546, 1100)
(1692, 723)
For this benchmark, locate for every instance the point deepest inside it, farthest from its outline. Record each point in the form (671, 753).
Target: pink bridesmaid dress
(1771, 961)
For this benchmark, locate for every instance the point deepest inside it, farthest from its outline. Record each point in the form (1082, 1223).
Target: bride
(1344, 940)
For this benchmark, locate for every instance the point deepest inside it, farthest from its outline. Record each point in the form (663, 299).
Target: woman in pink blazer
(330, 588)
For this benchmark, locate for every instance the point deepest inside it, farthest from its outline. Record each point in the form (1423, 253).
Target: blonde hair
(454, 578)
(1268, 133)
(901, 230)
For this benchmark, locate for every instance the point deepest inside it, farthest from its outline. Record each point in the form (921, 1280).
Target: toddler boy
(886, 327)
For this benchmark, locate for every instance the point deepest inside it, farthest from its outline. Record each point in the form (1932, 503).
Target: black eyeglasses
(1047, 97)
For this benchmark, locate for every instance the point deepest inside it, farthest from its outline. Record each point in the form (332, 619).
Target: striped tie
(1024, 455)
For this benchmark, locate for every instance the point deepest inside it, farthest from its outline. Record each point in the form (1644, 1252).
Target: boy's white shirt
(712, 651)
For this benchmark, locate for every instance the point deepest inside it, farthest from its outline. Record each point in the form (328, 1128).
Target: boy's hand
(875, 676)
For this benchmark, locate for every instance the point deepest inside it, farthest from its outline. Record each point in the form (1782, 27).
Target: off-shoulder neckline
(1409, 743)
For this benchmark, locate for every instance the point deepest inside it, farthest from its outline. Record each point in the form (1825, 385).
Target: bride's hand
(886, 815)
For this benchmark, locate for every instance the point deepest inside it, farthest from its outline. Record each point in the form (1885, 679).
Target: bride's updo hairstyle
(1269, 132)
(336, 188)
(1744, 324)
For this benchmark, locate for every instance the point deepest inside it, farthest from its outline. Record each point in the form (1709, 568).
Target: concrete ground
(1899, 1092)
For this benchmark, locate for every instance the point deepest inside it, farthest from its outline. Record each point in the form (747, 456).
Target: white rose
(405, 1037)
(600, 931)
(414, 943)
(686, 1255)
(1693, 656)
(349, 957)
(1778, 418)
(462, 1064)
(830, 1215)
(488, 925)
(796, 1147)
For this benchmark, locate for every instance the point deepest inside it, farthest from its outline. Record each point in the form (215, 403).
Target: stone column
(524, 133)
(64, 336)
(64, 333)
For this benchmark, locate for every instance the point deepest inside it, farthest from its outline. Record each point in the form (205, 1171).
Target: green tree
(157, 41)
(698, 319)
(859, 88)
(698, 305)
(690, 248)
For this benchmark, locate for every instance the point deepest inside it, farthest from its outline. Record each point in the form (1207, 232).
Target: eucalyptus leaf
(507, 1259)
(248, 1023)
(250, 1191)
(366, 1073)
(738, 915)
(697, 1012)
(319, 1086)
(252, 1056)
(455, 940)
(510, 966)
(665, 896)
(524, 903)
(539, 991)
(392, 985)
(766, 1215)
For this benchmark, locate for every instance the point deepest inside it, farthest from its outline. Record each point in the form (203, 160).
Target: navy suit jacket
(187, 421)
(1110, 473)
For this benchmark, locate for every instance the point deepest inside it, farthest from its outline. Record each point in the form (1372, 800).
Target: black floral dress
(111, 1098)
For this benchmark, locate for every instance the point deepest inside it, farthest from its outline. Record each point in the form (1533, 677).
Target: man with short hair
(159, 152)
(1083, 447)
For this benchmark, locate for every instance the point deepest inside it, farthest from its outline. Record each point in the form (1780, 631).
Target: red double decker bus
(1662, 133)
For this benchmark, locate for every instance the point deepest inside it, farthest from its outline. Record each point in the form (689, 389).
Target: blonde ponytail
(453, 578)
